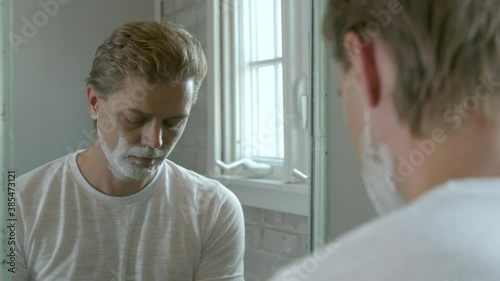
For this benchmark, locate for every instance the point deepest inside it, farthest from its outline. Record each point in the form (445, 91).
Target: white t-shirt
(181, 226)
(450, 234)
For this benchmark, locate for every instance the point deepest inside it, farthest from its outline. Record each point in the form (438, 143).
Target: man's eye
(134, 121)
(173, 125)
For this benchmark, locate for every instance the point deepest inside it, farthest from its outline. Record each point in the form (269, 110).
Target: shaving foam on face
(121, 166)
(377, 172)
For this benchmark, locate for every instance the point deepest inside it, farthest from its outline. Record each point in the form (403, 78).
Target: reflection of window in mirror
(261, 132)
(265, 86)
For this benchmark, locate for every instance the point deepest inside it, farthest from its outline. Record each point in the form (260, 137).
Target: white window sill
(269, 194)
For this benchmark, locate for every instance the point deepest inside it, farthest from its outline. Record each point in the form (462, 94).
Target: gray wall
(50, 70)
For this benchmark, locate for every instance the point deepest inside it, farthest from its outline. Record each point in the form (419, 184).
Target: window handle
(303, 102)
(304, 106)
(252, 167)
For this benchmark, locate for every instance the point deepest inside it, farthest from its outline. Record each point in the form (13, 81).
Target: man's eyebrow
(135, 110)
(178, 116)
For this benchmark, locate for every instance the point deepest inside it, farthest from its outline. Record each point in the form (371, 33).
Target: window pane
(261, 128)
(279, 38)
(264, 127)
(280, 119)
(266, 133)
(264, 19)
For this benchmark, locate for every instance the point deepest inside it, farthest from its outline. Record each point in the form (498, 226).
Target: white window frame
(283, 191)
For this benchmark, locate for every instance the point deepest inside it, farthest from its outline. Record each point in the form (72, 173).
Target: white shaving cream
(121, 166)
(377, 172)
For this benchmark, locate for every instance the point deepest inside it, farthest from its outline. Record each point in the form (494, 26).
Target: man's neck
(471, 152)
(94, 167)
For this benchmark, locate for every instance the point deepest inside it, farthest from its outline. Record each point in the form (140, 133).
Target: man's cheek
(354, 115)
(106, 126)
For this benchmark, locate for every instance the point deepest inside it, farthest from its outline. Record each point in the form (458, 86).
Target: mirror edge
(320, 192)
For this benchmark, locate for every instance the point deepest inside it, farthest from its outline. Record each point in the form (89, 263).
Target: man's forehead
(135, 81)
(139, 89)
(138, 96)
(138, 86)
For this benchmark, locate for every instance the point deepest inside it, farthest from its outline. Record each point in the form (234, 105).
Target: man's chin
(130, 171)
(144, 171)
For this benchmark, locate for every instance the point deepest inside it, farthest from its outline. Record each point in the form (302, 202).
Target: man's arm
(223, 246)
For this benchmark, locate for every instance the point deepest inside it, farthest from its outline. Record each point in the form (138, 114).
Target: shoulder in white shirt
(450, 234)
(181, 226)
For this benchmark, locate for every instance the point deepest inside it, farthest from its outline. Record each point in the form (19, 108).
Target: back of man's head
(418, 80)
(442, 48)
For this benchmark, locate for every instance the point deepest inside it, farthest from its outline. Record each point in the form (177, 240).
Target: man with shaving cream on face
(420, 82)
(121, 210)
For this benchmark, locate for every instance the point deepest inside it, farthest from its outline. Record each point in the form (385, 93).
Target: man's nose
(152, 135)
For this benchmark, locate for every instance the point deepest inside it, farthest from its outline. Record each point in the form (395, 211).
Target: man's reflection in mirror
(121, 210)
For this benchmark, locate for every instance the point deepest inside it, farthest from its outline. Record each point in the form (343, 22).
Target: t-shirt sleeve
(223, 244)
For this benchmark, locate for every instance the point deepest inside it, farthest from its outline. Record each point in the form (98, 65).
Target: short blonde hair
(441, 48)
(161, 53)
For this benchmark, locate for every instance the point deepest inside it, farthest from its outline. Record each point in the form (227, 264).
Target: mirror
(53, 44)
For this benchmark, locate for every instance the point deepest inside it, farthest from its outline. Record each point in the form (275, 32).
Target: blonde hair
(441, 47)
(161, 53)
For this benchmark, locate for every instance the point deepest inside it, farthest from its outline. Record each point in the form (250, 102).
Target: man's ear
(361, 54)
(92, 102)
